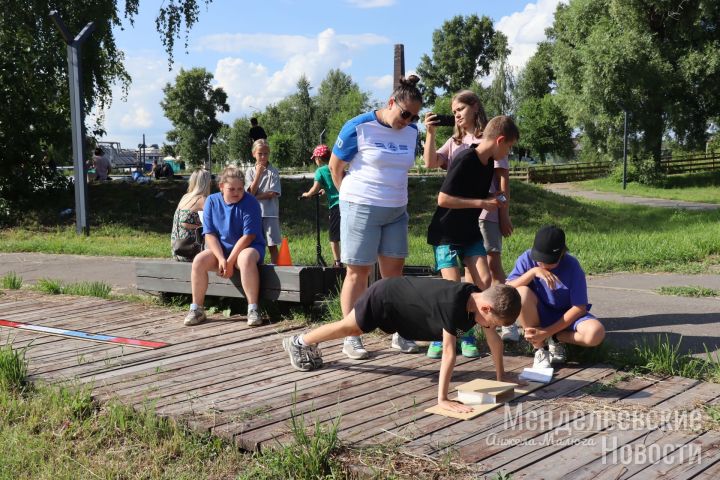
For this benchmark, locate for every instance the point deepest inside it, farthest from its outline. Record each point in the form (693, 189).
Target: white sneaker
(253, 319)
(354, 349)
(195, 317)
(557, 351)
(403, 344)
(509, 334)
(542, 359)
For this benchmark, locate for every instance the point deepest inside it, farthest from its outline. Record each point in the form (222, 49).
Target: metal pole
(209, 148)
(318, 247)
(77, 118)
(625, 154)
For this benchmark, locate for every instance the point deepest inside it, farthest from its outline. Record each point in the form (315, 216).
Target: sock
(252, 306)
(300, 341)
(195, 306)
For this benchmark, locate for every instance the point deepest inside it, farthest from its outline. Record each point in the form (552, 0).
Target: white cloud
(283, 47)
(525, 29)
(127, 120)
(380, 83)
(252, 86)
(138, 116)
(371, 3)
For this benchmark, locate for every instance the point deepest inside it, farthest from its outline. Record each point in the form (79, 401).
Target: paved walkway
(574, 190)
(629, 305)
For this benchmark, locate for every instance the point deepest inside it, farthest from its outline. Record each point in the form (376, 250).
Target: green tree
(239, 140)
(304, 123)
(350, 105)
(499, 96)
(543, 124)
(192, 105)
(34, 102)
(659, 60)
(543, 127)
(464, 49)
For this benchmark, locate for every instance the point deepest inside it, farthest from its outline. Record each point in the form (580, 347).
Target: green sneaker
(468, 347)
(435, 350)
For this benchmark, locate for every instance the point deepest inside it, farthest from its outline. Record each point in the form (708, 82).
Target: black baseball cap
(549, 244)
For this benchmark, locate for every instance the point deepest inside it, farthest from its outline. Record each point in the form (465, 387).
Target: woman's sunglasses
(404, 114)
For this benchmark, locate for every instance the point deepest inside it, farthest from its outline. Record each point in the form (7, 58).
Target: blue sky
(258, 50)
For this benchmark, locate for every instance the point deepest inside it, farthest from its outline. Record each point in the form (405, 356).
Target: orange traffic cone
(284, 259)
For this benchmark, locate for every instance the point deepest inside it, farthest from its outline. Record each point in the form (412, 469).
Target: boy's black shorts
(369, 311)
(334, 227)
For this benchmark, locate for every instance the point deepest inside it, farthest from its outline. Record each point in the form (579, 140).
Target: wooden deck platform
(235, 381)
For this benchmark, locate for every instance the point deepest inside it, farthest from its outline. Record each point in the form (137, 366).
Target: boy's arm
(447, 364)
(540, 334)
(451, 201)
(496, 346)
(535, 272)
(313, 190)
(506, 227)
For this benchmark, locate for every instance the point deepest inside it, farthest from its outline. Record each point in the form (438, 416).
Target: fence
(568, 172)
(691, 163)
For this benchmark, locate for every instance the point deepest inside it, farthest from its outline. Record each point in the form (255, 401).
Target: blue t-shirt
(379, 157)
(229, 222)
(572, 290)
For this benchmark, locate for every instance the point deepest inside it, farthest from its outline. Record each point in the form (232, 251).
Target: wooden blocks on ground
(489, 390)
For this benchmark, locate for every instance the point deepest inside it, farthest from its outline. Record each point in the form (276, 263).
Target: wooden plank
(567, 381)
(404, 399)
(341, 393)
(283, 380)
(526, 456)
(193, 341)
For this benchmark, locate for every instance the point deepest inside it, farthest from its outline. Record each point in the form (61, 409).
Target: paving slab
(574, 190)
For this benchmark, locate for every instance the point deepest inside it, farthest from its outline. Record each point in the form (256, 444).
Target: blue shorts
(548, 318)
(447, 256)
(367, 231)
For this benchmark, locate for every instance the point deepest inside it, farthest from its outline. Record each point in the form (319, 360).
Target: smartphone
(444, 120)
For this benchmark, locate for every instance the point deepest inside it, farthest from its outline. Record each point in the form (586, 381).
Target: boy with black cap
(555, 304)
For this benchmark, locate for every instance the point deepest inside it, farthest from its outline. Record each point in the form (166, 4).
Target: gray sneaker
(509, 334)
(403, 344)
(195, 317)
(253, 319)
(557, 351)
(303, 358)
(354, 349)
(542, 359)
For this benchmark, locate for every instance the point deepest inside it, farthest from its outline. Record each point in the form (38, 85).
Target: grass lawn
(691, 187)
(135, 220)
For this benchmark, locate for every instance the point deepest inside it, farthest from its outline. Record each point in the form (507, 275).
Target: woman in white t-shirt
(369, 166)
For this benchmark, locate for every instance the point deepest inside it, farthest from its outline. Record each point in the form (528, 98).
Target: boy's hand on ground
(546, 275)
(454, 406)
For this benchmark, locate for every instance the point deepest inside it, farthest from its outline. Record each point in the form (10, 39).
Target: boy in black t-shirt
(454, 231)
(418, 309)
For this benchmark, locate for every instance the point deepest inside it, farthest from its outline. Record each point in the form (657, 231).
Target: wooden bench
(298, 284)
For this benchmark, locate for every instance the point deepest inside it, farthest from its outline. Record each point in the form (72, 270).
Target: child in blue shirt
(555, 306)
(232, 226)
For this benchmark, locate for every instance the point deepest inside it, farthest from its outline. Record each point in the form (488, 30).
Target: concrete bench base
(298, 284)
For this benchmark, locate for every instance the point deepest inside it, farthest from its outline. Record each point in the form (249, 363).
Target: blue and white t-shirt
(379, 158)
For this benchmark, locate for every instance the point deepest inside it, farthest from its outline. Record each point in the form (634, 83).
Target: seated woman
(186, 220)
(233, 239)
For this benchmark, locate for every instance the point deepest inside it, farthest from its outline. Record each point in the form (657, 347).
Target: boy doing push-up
(418, 309)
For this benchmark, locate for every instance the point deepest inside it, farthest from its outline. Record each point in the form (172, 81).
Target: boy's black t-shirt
(416, 308)
(467, 178)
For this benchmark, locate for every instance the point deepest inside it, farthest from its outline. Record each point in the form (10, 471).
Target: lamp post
(625, 153)
(77, 117)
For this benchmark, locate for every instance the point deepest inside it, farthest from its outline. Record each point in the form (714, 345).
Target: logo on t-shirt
(339, 142)
(379, 144)
(392, 147)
